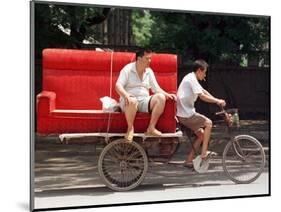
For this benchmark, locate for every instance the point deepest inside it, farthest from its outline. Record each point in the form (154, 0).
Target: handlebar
(221, 112)
(230, 116)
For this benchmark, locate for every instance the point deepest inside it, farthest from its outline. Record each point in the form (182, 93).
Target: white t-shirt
(135, 86)
(187, 94)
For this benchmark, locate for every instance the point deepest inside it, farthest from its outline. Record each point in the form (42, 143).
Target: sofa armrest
(46, 102)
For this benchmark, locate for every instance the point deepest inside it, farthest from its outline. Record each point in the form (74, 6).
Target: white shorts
(143, 104)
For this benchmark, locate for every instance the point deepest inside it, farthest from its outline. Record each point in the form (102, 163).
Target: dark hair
(141, 52)
(201, 64)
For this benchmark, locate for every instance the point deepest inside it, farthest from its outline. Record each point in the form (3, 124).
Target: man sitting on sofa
(133, 86)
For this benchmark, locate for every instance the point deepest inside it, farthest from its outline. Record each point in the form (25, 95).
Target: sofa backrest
(81, 77)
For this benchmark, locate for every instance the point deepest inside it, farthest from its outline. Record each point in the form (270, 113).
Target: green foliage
(142, 26)
(63, 25)
(216, 38)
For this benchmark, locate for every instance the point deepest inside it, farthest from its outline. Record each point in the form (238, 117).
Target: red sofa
(75, 80)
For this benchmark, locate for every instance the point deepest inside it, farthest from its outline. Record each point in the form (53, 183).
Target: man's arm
(119, 86)
(207, 97)
(207, 93)
(121, 91)
(158, 89)
(167, 95)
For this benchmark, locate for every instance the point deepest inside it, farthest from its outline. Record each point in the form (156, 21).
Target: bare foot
(153, 132)
(129, 135)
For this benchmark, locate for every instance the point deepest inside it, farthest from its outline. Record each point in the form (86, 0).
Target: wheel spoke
(134, 154)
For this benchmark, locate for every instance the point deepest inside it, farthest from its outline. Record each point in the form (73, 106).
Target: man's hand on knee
(130, 101)
(171, 96)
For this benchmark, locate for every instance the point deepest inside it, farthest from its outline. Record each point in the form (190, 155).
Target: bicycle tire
(122, 165)
(243, 159)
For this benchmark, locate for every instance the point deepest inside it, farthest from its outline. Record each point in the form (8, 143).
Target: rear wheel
(243, 159)
(122, 166)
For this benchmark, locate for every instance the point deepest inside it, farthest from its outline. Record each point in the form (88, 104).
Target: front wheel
(243, 159)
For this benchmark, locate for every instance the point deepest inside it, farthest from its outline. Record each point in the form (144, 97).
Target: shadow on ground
(72, 168)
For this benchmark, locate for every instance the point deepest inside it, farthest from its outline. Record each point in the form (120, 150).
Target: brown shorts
(194, 122)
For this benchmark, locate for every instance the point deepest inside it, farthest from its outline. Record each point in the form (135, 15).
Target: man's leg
(196, 144)
(130, 114)
(157, 105)
(196, 123)
(207, 133)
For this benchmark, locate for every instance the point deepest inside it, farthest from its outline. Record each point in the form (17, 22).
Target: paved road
(66, 175)
(171, 190)
(166, 182)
